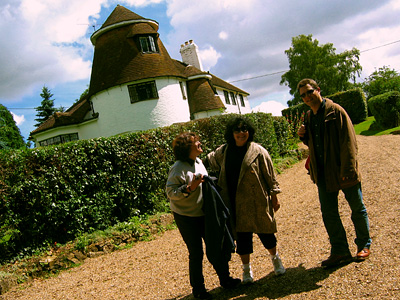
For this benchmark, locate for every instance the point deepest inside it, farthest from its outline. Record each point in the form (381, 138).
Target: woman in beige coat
(249, 189)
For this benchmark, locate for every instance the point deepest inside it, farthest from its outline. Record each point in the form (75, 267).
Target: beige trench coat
(254, 211)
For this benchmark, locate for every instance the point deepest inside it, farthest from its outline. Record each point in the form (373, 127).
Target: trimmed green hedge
(353, 101)
(386, 109)
(54, 193)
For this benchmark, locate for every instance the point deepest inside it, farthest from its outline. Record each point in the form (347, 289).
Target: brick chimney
(190, 55)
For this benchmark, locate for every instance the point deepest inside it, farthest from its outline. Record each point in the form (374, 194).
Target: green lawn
(364, 128)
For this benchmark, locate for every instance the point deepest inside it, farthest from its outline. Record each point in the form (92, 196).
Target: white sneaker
(247, 274)
(278, 266)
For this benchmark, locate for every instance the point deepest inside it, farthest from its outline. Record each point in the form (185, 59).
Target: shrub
(353, 101)
(52, 194)
(386, 109)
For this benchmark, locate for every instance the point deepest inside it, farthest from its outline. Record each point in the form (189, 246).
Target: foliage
(308, 59)
(381, 81)
(370, 128)
(84, 94)
(295, 119)
(10, 135)
(353, 101)
(46, 108)
(386, 109)
(54, 193)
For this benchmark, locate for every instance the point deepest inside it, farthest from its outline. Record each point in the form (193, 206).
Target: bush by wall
(353, 101)
(386, 109)
(52, 194)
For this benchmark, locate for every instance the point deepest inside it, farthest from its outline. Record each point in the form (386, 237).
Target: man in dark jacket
(329, 134)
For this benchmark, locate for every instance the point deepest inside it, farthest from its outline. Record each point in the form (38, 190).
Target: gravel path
(158, 269)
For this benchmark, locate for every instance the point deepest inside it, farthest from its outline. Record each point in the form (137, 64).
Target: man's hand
(302, 131)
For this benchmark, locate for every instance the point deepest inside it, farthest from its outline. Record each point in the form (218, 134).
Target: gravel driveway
(158, 269)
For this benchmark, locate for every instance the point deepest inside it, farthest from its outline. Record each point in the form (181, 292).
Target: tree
(46, 108)
(308, 59)
(10, 135)
(381, 81)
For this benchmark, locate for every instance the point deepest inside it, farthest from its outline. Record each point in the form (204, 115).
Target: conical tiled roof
(121, 14)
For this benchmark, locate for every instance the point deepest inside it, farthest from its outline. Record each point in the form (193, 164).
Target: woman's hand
(197, 179)
(275, 203)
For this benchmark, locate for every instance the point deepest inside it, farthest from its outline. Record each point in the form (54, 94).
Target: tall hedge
(386, 109)
(353, 101)
(53, 193)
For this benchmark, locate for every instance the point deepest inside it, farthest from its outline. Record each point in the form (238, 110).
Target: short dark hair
(306, 81)
(238, 122)
(182, 143)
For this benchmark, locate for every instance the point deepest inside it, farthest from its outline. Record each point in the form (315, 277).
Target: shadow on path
(294, 281)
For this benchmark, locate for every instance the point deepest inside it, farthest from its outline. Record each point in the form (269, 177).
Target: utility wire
(270, 74)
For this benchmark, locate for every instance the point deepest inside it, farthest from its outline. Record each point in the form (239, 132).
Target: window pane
(233, 98)
(143, 91)
(144, 44)
(153, 46)
(241, 99)
(226, 95)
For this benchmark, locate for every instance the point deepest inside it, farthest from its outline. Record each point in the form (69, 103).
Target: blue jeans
(333, 223)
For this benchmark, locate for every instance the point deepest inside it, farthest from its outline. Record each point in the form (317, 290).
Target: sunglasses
(240, 129)
(308, 93)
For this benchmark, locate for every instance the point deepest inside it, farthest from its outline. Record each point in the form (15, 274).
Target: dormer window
(148, 44)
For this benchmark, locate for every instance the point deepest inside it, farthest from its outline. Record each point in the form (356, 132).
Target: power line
(270, 74)
(381, 46)
(260, 76)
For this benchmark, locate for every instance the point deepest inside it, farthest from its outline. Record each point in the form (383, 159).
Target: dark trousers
(192, 231)
(244, 242)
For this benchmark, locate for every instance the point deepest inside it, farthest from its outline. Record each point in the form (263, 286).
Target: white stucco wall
(118, 115)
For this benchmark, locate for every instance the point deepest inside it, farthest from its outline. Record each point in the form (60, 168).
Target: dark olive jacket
(340, 149)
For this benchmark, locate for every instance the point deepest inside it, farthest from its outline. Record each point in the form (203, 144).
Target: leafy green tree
(46, 108)
(83, 95)
(10, 135)
(308, 59)
(381, 81)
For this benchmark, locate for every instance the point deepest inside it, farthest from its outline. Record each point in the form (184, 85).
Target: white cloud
(223, 35)
(43, 42)
(209, 57)
(273, 107)
(19, 120)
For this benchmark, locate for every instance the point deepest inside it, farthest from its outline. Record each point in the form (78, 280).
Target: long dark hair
(182, 143)
(238, 122)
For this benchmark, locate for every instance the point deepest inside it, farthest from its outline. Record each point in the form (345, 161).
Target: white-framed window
(241, 100)
(60, 139)
(143, 91)
(148, 44)
(233, 98)
(226, 95)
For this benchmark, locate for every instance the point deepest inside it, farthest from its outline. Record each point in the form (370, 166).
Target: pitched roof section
(201, 96)
(216, 81)
(74, 115)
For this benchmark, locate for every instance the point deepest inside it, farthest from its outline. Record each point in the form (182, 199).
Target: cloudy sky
(47, 42)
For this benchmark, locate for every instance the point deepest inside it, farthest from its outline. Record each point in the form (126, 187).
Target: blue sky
(47, 42)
